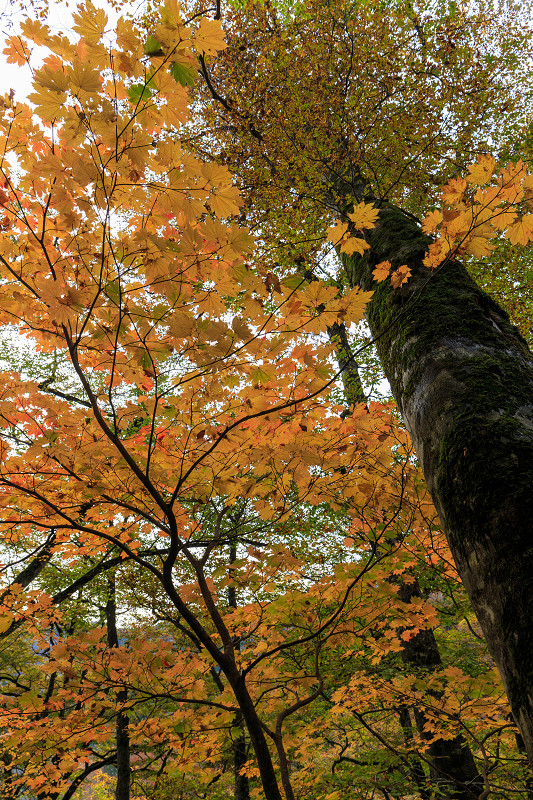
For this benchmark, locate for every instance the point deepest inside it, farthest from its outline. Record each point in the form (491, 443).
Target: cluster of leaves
(194, 468)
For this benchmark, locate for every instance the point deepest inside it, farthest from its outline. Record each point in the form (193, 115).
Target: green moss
(433, 305)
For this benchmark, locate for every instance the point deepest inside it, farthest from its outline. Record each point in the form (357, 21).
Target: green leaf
(112, 291)
(152, 47)
(138, 92)
(182, 74)
(294, 281)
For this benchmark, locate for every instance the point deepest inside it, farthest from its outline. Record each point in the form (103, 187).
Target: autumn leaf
(454, 190)
(336, 232)
(431, 221)
(481, 172)
(381, 271)
(90, 22)
(400, 276)
(83, 77)
(15, 51)
(209, 37)
(364, 215)
(183, 74)
(353, 244)
(521, 232)
(478, 246)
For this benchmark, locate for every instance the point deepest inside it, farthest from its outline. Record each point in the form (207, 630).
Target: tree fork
(463, 379)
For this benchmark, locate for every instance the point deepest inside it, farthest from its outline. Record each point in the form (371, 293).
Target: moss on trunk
(463, 379)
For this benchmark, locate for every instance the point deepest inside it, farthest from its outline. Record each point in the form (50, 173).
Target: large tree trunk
(463, 379)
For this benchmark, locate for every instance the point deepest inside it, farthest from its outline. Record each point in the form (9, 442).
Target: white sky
(59, 19)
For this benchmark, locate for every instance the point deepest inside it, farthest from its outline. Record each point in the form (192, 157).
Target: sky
(59, 19)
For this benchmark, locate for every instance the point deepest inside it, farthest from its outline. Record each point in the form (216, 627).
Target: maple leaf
(52, 76)
(478, 246)
(49, 105)
(400, 276)
(481, 172)
(431, 221)
(90, 22)
(209, 37)
(83, 77)
(225, 201)
(335, 232)
(354, 244)
(381, 271)
(454, 190)
(364, 215)
(521, 232)
(15, 51)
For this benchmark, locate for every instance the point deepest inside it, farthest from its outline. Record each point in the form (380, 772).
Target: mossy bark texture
(463, 379)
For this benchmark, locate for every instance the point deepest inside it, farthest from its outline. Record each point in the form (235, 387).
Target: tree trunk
(463, 379)
(238, 743)
(122, 734)
(452, 769)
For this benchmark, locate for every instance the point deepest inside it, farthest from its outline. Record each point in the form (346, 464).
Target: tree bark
(463, 379)
(122, 734)
(452, 769)
(238, 743)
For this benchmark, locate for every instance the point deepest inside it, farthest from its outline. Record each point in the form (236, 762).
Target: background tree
(339, 145)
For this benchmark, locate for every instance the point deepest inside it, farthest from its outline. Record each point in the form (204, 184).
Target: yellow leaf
(364, 215)
(453, 191)
(522, 231)
(261, 376)
(482, 172)
(437, 252)
(432, 221)
(84, 77)
(90, 22)
(353, 244)
(35, 30)
(400, 276)
(171, 16)
(355, 302)
(181, 325)
(209, 38)
(381, 272)
(224, 201)
(335, 232)
(15, 51)
(52, 76)
(49, 106)
(6, 620)
(503, 219)
(479, 246)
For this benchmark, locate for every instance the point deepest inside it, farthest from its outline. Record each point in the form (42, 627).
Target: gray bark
(463, 379)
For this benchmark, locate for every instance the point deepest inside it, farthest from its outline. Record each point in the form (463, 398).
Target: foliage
(175, 446)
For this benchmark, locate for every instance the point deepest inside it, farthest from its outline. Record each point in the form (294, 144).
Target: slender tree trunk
(452, 769)
(463, 379)
(418, 775)
(242, 788)
(122, 790)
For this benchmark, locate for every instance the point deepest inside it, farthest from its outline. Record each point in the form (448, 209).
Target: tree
(195, 428)
(461, 374)
(113, 258)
